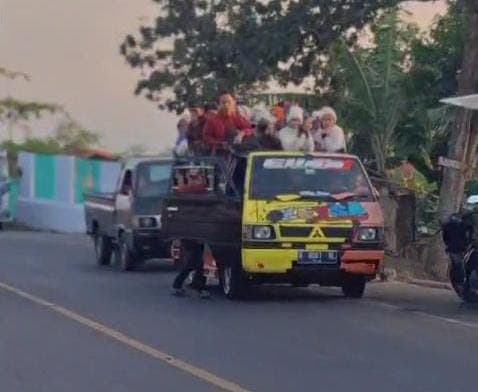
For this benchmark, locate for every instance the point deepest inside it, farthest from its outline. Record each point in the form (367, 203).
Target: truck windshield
(308, 178)
(152, 179)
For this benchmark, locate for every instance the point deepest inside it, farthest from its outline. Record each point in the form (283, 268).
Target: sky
(71, 50)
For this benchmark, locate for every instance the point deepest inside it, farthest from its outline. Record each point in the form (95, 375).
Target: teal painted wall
(87, 178)
(45, 177)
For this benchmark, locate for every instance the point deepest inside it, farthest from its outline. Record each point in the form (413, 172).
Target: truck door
(123, 201)
(200, 208)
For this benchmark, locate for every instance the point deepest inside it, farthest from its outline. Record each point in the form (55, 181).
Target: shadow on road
(281, 294)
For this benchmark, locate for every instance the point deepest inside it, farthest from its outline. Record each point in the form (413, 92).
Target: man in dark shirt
(195, 130)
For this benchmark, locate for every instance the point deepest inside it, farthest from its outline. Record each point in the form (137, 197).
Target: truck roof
(301, 154)
(131, 163)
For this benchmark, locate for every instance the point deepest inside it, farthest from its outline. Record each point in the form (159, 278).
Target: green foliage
(197, 48)
(35, 145)
(435, 62)
(6, 73)
(72, 137)
(68, 138)
(13, 109)
(369, 83)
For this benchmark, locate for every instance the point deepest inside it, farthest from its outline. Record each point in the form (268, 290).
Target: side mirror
(126, 190)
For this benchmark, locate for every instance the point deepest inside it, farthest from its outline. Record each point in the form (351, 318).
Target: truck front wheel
(232, 282)
(103, 249)
(353, 286)
(125, 258)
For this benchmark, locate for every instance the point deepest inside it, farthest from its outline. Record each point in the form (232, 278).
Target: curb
(432, 284)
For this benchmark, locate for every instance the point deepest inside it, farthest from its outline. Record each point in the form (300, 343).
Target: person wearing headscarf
(331, 137)
(181, 147)
(293, 137)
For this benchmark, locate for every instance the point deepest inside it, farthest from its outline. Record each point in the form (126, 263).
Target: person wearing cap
(293, 137)
(226, 126)
(331, 137)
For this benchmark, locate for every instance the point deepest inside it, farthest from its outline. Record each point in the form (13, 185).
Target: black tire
(125, 258)
(457, 280)
(353, 286)
(103, 249)
(232, 282)
(470, 290)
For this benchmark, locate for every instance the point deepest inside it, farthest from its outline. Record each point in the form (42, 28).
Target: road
(68, 325)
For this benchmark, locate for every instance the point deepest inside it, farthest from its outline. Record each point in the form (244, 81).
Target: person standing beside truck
(192, 255)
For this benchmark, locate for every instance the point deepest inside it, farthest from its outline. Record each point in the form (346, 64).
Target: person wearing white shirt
(292, 137)
(330, 137)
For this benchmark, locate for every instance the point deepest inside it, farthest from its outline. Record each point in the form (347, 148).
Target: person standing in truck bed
(226, 126)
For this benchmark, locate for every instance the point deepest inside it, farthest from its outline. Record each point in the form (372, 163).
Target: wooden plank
(446, 162)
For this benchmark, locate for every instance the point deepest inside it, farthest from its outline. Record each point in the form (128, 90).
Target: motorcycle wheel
(470, 291)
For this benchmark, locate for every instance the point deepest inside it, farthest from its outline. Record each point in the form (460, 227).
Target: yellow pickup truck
(280, 217)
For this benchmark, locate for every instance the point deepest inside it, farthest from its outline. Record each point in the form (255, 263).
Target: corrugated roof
(466, 101)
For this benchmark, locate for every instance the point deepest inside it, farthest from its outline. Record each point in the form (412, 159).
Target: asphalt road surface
(68, 325)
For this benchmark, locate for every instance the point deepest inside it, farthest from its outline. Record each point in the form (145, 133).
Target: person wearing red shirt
(225, 126)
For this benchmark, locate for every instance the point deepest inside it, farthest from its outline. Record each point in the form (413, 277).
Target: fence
(50, 195)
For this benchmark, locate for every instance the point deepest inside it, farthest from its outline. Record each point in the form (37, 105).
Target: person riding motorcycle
(460, 235)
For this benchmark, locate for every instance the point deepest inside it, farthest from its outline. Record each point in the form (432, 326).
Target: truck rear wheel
(353, 286)
(232, 282)
(103, 249)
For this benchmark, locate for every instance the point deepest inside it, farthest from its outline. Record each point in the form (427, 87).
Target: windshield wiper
(304, 195)
(349, 196)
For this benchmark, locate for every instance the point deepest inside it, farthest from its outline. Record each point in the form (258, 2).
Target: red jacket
(218, 127)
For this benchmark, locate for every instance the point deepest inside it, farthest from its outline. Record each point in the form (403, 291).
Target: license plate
(322, 257)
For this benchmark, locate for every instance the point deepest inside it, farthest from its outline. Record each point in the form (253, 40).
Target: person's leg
(197, 259)
(188, 261)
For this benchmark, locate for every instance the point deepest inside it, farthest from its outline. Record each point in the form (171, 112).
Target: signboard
(450, 163)
(304, 163)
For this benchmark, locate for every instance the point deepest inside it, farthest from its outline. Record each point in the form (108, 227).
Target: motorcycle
(462, 250)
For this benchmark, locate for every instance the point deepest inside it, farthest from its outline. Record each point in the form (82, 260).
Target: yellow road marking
(195, 371)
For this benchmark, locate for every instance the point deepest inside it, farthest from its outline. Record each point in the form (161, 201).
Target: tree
(238, 44)
(447, 65)
(435, 61)
(368, 83)
(72, 137)
(463, 141)
(13, 111)
(4, 72)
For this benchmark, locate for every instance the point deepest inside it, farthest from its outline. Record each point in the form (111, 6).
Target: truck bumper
(148, 244)
(276, 262)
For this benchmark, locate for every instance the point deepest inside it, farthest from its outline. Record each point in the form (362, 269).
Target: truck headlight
(367, 234)
(259, 232)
